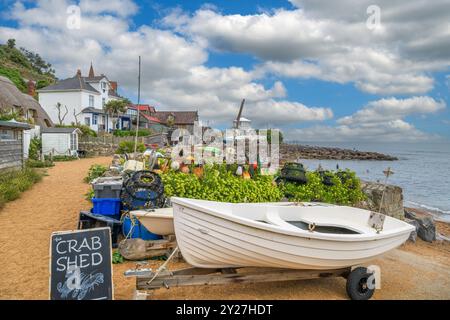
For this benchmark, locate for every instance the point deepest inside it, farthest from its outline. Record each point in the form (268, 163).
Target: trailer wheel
(358, 287)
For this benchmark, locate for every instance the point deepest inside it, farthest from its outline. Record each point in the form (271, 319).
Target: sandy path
(414, 271)
(26, 224)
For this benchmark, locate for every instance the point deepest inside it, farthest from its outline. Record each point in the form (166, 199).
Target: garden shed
(11, 144)
(60, 141)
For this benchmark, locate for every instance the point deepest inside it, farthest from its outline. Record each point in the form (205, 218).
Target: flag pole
(137, 107)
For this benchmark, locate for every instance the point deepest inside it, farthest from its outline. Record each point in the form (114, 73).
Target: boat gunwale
(190, 203)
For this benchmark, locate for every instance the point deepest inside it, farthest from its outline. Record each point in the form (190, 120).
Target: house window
(94, 119)
(103, 102)
(91, 101)
(73, 141)
(87, 121)
(7, 134)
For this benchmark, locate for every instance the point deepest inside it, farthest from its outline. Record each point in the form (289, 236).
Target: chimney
(113, 85)
(78, 73)
(91, 71)
(31, 88)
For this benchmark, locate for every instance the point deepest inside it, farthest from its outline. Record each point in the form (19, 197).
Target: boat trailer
(358, 280)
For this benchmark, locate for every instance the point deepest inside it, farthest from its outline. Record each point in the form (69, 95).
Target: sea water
(423, 171)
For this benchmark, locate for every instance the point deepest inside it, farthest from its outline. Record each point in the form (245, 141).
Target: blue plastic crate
(106, 206)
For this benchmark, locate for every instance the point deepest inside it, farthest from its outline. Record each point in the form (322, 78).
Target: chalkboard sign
(80, 265)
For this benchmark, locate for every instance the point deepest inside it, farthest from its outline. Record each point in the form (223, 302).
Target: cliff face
(392, 200)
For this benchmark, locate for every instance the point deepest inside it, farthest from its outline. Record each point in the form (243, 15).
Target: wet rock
(413, 235)
(427, 227)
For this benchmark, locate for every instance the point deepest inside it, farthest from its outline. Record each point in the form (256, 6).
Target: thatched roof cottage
(12, 98)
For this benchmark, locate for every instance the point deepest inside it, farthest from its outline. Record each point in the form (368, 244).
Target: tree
(11, 43)
(75, 115)
(61, 116)
(115, 107)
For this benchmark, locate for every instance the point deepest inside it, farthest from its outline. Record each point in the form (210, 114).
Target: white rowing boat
(157, 221)
(305, 236)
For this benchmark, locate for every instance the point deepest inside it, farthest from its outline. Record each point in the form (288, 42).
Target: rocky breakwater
(293, 152)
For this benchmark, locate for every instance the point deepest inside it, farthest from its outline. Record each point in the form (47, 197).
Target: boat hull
(208, 241)
(159, 221)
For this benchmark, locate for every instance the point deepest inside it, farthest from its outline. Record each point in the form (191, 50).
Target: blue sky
(315, 69)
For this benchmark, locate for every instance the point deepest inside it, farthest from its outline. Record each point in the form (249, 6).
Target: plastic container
(107, 187)
(106, 206)
(139, 231)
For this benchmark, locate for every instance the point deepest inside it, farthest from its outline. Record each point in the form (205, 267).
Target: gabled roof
(143, 107)
(75, 83)
(180, 117)
(150, 118)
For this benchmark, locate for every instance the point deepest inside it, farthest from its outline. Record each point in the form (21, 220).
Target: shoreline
(290, 152)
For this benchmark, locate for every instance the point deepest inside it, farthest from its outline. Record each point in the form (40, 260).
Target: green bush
(58, 158)
(35, 148)
(32, 163)
(132, 133)
(95, 171)
(15, 77)
(13, 183)
(343, 191)
(85, 130)
(128, 147)
(220, 184)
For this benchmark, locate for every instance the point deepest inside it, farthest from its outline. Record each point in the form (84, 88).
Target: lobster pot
(142, 190)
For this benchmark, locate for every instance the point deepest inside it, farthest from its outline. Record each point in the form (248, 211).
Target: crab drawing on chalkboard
(87, 282)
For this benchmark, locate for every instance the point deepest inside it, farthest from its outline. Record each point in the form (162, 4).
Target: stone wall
(392, 200)
(98, 148)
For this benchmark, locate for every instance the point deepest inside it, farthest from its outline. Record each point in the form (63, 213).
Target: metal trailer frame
(147, 280)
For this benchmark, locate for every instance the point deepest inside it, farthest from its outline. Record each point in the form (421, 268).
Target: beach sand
(413, 271)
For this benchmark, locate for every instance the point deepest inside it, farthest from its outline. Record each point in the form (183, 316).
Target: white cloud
(121, 8)
(391, 109)
(331, 42)
(174, 74)
(392, 131)
(380, 120)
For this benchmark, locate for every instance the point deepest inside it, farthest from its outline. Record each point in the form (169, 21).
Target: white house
(60, 141)
(81, 101)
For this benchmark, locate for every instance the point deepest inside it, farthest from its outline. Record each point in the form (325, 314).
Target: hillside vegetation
(19, 64)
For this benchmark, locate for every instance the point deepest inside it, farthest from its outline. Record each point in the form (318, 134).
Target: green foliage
(35, 148)
(85, 130)
(17, 64)
(15, 77)
(13, 183)
(128, 147)
(32, 163)
(220, 184)
(89, 195)
(95, 171)
(269, 136)
(7, 115)
(117, 257)
(132, 133)
(343, 191)
(61, 158)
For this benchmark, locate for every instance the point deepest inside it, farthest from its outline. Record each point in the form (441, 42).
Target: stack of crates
(106, 199)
